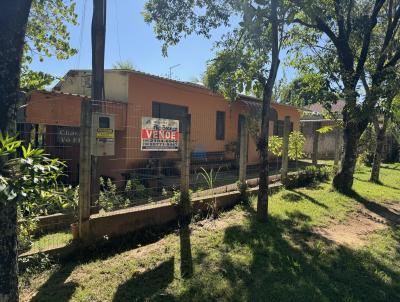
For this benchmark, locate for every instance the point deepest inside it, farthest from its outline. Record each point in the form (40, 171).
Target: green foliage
(307, 89)
(176, 196)
(124, 65)
(47, 36)
(111, 198)
(174, 20)
(135, 190)
(296, 145)
(367, 146)
(308, 176)
(30, 181)
(275, 145)
(325, 129)
(210, 178)
(244, 192)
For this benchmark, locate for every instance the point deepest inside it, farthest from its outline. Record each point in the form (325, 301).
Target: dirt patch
(353, 232)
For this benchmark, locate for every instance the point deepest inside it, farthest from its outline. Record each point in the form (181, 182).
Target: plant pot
(75, 230)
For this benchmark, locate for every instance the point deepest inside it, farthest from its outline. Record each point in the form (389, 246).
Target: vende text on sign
(159, 134)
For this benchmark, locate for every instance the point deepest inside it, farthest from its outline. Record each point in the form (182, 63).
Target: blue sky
(128, 37)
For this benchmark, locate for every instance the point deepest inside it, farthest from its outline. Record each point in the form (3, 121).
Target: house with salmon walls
(131, 95)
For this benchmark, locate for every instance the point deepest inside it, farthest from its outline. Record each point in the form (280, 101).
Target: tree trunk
(376, 165)
(343, 181)
(8, 252)
(380, 139)
(262, 145)
(13, 19)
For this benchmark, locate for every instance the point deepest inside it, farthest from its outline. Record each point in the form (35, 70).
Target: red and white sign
(159, 134)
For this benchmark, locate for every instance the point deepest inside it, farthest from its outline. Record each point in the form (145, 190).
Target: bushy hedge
(307, 176)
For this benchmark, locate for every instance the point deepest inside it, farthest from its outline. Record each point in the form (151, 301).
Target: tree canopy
(46, 36)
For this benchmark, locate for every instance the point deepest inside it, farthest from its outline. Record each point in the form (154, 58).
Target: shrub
(307, 176)
(244, 192)
(176, 196)
(29, 179)
(296, 146)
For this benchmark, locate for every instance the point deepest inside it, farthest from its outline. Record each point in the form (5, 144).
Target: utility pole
(98, 93)
(98, 48)
(88, 183)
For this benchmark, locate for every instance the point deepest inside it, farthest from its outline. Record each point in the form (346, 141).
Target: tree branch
(364, 82)
(393, 61)
(367, 38)
(340, 20)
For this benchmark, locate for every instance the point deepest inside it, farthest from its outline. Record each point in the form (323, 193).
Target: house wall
(202, 106)
(56, 109)
(80, 81)
(60, 109)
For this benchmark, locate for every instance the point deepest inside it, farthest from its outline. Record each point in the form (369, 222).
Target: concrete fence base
(125, 221)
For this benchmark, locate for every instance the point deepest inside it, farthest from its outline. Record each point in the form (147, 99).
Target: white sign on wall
(159, 134)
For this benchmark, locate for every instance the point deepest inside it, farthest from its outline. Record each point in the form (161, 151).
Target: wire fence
(125, 172)
(45, 223)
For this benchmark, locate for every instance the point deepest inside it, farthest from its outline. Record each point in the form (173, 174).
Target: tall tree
(344, 29)
(248, 59)
(307, 89)
(381, 76)
(385, 114)
(13, 19)
(45, 34)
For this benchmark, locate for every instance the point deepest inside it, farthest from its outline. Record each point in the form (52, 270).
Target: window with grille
(169, 111)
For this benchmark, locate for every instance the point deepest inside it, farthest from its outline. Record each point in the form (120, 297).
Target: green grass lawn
(52, 240)
(237, 258)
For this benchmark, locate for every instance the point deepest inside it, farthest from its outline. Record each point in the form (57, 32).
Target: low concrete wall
(54, 222)
(135, 219)
(148, 214)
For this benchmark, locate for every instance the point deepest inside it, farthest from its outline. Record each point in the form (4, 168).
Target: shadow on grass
(186, 252)
(64, 290)
(284, 260)
(389, 216)
(393, 167)
(309, 198)
(281, 260)
(148, 284)
(55, 288)
(378, 184)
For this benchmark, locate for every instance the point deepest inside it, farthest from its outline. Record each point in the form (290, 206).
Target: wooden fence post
(285, 148)
(185, 203)
(243, 151)
(316, 126)
(85, 169)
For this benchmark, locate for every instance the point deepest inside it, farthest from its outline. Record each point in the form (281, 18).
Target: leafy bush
(28, 178)
(307, 176)
(244, 192)
(110, 198)
(296, 146)
(176, 196)
(275, 146)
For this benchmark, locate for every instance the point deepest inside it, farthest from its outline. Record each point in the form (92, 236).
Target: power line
(83, 19)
